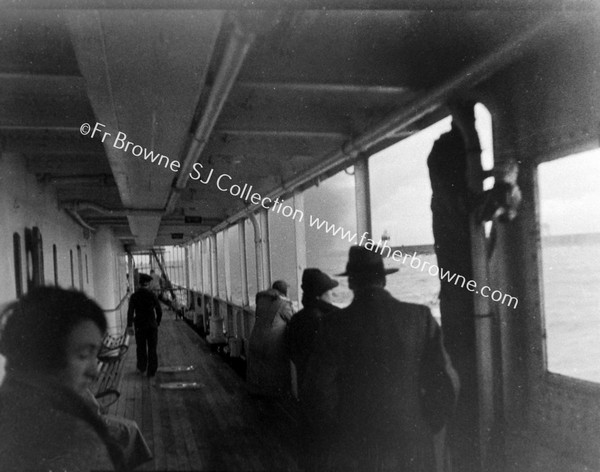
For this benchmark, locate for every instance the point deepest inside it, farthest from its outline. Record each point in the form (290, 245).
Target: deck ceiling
(301, 85)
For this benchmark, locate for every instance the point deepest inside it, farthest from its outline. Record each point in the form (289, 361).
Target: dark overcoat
(364, 384)
(302, 333)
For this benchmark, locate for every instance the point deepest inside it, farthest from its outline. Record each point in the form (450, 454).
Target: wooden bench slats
(114, 346)
(110, 361)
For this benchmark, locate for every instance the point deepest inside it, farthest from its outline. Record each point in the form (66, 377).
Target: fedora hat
(316, 282)
(362, 262)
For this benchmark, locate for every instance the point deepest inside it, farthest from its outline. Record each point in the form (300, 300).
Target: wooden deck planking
(217, 427)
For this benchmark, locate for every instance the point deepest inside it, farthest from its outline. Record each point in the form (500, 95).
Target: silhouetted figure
(145, 314)
(302, 332)
(379, 383)
(50, 339)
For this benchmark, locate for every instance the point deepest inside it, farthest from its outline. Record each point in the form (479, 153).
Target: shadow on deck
(216, 427)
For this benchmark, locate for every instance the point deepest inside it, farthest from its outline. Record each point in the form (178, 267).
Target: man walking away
(379, 384)
(145, 314)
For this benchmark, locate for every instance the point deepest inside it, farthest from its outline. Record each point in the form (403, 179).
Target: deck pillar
(216, 320)
(227, 257)
(243, 262)
(266, 249)
(299, 243)
(258, 248)
(363, 195)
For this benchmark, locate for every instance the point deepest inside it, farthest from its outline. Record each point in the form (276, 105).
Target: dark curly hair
(36, 327)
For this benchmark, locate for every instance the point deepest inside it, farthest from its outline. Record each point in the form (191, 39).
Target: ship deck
(216, 426)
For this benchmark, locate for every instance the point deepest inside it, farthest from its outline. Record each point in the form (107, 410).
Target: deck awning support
(362, 191)
(243, 263)
(299, 243)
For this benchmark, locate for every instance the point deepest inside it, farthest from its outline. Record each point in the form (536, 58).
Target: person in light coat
(268, 367)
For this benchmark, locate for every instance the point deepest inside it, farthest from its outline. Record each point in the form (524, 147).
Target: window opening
(570, 250)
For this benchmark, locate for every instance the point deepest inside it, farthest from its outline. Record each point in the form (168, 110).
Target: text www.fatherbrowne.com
(415, 262)
(223, 183)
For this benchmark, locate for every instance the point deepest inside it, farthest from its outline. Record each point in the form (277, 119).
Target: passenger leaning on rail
(50, 339)
(379, 383)
(268, 366)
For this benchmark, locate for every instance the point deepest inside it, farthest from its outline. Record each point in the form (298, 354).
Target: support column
(243, 262)
(227, 256)
(202, 243)
(300, 244)
(216, 320)
(258, 248)
(266, 249)
(363, 196)
(186, 267)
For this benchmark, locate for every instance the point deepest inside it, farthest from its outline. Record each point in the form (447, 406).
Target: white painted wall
(110, 268)
(25, 203)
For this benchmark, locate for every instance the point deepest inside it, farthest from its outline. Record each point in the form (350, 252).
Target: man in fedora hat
(379, 383)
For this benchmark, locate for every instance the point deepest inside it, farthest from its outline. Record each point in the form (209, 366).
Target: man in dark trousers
(379, 384)
(148, 313)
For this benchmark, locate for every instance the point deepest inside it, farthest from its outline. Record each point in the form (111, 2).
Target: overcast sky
(401, 191)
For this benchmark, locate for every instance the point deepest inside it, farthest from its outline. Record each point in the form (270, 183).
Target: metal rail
(413, 5)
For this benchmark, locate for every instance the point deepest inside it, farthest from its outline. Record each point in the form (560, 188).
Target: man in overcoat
(379, 384)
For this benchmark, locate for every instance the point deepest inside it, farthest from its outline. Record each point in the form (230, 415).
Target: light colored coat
(268, 367)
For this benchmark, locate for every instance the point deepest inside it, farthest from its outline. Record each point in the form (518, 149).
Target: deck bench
(114, 346)
(110, 363)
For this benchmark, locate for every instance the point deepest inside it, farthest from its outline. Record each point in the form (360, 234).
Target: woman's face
(83, 345)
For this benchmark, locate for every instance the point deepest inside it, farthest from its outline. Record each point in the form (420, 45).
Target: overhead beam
(282, 133)
(323, 87)
(414, 5)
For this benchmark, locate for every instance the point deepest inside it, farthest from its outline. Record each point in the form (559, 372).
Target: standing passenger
(379, 383)
(301, 336)
(302, 330)
(268, 367)
(148, 313)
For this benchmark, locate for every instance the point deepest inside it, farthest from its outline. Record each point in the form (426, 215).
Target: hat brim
(385, 272)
